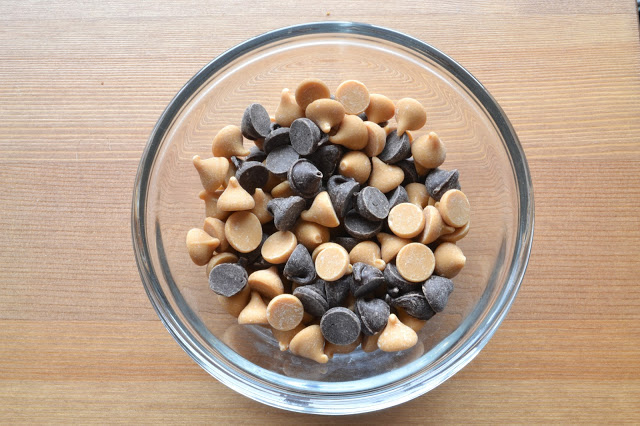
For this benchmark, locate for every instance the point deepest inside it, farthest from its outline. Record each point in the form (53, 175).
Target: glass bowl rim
(379, 397)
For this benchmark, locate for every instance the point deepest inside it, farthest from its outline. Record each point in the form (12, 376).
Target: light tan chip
(428, 151)
(267, 282)
(243, 231)
(406, 220)
(352, 134)
(456, 235)
(288, 110)
(326, 113)
(282, 190)
(377, 139)
(454, 208)
(228, 142)
(380, 108)
(272, 182)
(332, 263)
(432, 201)
(422, 172)
(330, 349)
(356, 165)
(449, 260)
(260, 210)
(219, 258)
(285, 312)
(310, 90)
(255, 312)
(415, 262)
(311, 234)
(390, 245)
(284, 337)
(321, 212)
(410, 115)
(354, 95)
(215, 228)
(367, 252)
(370, 343)
(418, 194)
(434, 226)
(235, 198)
(278, 247)
(323, 246)
(385, 177)
(414, 323)
(212, 171)
(396, 336)
(389, 128)
(211, 205)
(309, 343)
(236, 303)
(201, 246)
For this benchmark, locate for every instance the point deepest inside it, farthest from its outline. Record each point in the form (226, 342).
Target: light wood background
(82, 84)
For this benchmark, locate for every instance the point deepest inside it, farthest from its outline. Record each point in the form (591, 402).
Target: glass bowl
(480, 143)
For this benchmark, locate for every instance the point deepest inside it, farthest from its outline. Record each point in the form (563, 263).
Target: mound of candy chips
(336, 229)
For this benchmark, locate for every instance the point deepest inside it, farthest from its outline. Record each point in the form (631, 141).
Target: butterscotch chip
(235, 198)
(284, 337)
(272, 182)
(389, 128)
(380, 109)
(354, 95)
(434, 226)
(323, 246)
(457, 234)
(406, 220)
(321, 211)
(326, 113)
(311, 234)
(417, 194)
(429, 151)
(367, 252)
(377, 139)
(278, 247)
(454, 208)
(215, 228)
(255, 312)
(260, 210)
(414, 323)
(449, 260)
(356, 165)
(236, 303)
(415, 262)
(432, 201)
(201, 246)
(282, 190)
(267, 282)
(219, 258)
(370, 343)
(212, 171)
(211, 205)
(332, 263)
(352, 134)
(285, 312)
(309, 343)
(288, 110)
(390, 245)
(396, 336)
(310, 90)
(410, 115)
(228, 143)
(331, 349)
(385, 177)
(243, 231)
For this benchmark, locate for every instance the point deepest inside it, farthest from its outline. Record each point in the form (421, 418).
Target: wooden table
(82, 84)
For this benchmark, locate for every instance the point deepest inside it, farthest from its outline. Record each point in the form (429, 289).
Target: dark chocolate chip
(437, 291)
(256, 154)
(439, 181)
(299, 267)
(276, 138)
(305, 136)
(340, 326)
(326, 159)
(410, 172)
(347, 242)
(227, 279)
(341, 191)
(396, 148)
(415, 304)
(280, 160)
(396, 285)
(252, 175)
(397, 196)
(359, 227)
(363, 116)
(255, 122)
(304, 178)
(366, 279)
(383, 124)
(372, 204)
(285, 211)
(324, 140)
(337, 291)
(374, 314)
(312, 301)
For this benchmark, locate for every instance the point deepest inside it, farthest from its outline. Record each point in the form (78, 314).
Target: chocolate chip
(340, 326)
(396, 148)
(299, 267)
(337, 291)
(347, 242)
(397, 196)
(341, 191)
(437, 290)
(372, 204)
(415, 304)
(280, 160)
(252, 175)
(285, 211)
(374, 314)
(439, 181)
(410, 172)
(313, 302)
(359, 227)
(255, 122)
(304, 178)
(305, 136)
(276, 138)
(366, 279)
(363, 116)
(396, 285)
(326, 159)
(227, 279)
(256, 154)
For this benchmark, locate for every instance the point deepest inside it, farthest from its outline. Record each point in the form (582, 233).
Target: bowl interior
(475, 144)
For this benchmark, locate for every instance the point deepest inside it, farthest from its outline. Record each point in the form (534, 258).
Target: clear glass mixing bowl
(480, 142)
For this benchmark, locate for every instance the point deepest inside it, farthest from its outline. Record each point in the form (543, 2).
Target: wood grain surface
(83, 83)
